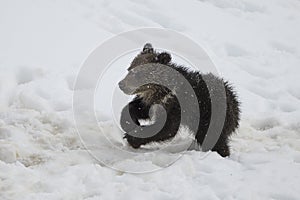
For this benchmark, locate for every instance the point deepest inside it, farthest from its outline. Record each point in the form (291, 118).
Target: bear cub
(150, 95)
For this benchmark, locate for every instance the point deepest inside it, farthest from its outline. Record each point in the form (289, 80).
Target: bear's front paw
(133, 141)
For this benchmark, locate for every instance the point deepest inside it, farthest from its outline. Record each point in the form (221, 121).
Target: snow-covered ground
(255, 45)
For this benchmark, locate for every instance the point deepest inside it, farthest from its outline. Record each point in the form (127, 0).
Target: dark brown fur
(151, 94)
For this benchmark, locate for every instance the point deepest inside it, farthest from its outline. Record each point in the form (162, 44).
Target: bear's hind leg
(222, 147)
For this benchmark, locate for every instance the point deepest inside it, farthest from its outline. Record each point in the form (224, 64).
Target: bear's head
(149, 55)
(141, 66)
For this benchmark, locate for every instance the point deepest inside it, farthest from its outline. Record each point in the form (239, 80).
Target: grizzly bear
(151, 99)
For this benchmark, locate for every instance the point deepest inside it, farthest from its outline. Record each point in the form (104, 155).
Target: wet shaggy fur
(152, 94)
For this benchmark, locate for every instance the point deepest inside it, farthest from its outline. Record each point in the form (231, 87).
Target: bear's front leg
(131, 114)
(142, 135)
(135, 142)
(164, 128)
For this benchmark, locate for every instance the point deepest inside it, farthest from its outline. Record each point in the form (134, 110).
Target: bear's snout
(122, 85)
(125, 88)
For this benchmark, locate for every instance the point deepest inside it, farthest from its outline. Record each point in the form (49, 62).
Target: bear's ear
(148, 48)
(164, 58)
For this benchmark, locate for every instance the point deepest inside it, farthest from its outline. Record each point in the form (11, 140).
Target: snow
(254, 44)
